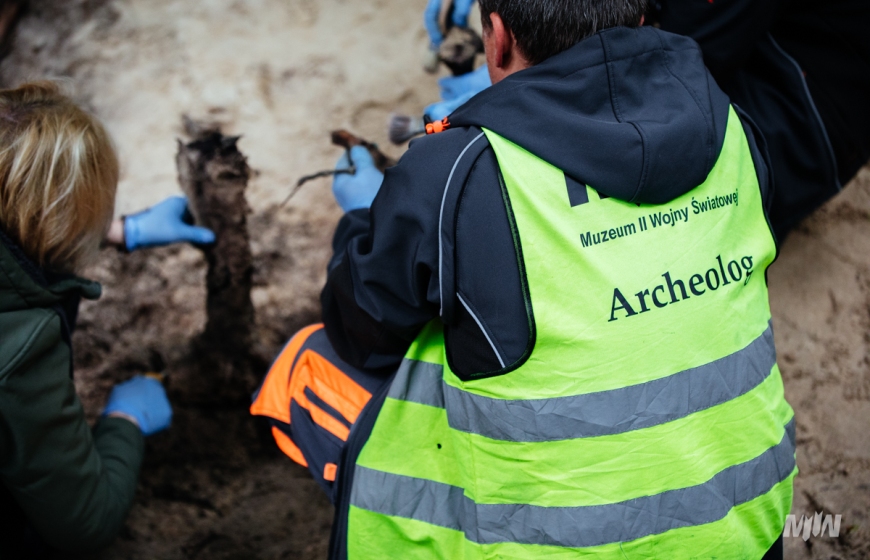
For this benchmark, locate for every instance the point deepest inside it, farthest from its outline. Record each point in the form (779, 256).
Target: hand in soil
(142, 400)
(163, 224)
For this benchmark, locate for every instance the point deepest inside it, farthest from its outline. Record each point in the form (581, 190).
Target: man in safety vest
(550, 336)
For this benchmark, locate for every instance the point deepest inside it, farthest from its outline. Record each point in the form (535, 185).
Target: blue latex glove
(430, 20)
(357, 190)
(461, 9)
(454, 87)
(163, 224)
(456, 90)
(143, 399)
(437, 111)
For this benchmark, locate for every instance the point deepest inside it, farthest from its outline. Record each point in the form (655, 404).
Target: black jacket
(631, 112)
(801, 70)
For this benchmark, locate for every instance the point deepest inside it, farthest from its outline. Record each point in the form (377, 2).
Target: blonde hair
(58, 176)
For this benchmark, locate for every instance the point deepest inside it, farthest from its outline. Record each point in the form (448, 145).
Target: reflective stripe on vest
(649, 420)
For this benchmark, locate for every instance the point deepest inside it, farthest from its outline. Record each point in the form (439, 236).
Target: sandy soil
(283, 73)
(820, 298)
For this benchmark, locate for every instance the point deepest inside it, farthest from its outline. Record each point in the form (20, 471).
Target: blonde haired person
(63, 486)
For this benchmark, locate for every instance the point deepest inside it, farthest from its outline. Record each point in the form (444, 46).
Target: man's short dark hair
(544, 28)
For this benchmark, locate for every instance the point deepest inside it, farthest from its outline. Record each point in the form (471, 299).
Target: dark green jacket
(61, 484)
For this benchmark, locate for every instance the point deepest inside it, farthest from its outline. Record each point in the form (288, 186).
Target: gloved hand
(437, 111)
(144, 400)
(461, 9)
(163, 224)
(357, 190)
(430, 19)
(454, 87)
(456, 90)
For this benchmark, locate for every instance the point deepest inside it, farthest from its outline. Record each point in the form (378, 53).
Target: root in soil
(346, 140)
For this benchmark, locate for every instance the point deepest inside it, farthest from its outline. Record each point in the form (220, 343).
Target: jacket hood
(631, 112)
(23, 285)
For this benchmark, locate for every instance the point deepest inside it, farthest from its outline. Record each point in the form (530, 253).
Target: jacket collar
(23, 285)
(632, 113)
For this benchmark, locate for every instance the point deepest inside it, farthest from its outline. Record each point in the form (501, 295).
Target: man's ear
(502, 40)
(502, 55)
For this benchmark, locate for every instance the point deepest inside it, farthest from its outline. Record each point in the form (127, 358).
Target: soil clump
(214, 174)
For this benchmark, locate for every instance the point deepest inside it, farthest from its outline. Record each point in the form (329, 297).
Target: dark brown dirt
(214, 486)
(214, 174)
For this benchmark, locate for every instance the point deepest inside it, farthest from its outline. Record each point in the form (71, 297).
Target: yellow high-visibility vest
(649, 420)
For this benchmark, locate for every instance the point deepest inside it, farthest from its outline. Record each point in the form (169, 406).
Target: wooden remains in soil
(214, 174)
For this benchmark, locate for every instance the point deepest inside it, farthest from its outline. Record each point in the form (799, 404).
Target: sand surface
(283, 73)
